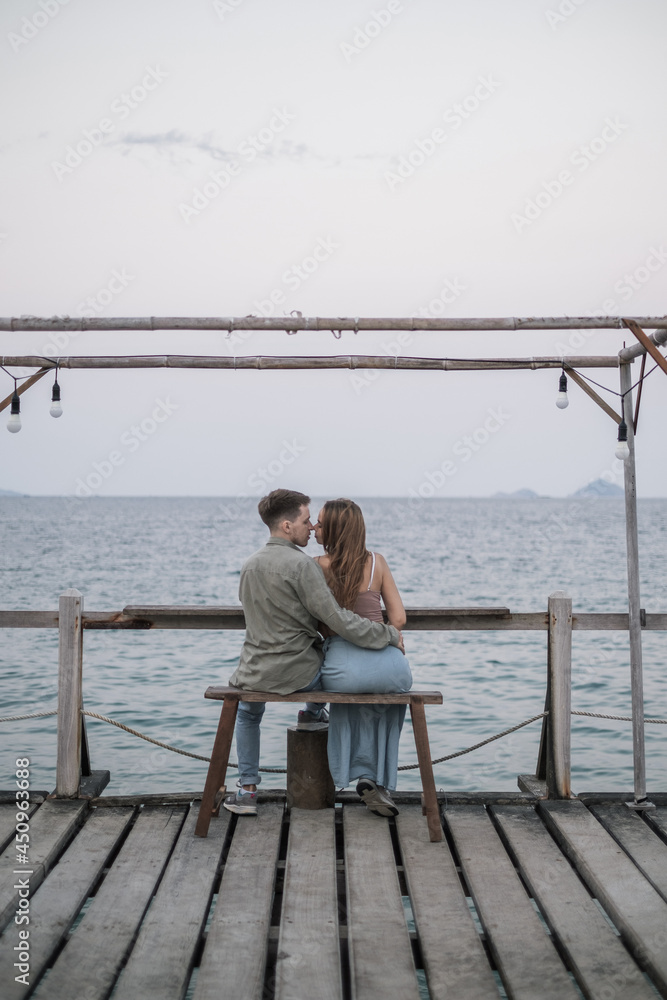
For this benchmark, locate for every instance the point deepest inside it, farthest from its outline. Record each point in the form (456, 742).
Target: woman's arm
(390, 595)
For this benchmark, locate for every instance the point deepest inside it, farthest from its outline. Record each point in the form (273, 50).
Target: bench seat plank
(220, 692)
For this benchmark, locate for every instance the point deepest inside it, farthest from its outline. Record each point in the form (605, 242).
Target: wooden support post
(309, 782)
(429, 795)
(559, 658)
(634, 617)
(217, 769)
(70, 663)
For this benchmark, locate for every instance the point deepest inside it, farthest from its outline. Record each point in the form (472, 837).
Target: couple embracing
(317, 624)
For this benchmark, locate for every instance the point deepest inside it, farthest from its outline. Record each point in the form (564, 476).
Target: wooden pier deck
(539, 899)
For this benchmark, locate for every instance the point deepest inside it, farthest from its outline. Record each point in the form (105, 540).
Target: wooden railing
(553, 766)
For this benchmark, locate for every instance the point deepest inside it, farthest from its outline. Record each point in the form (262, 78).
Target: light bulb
(14, 422)
(561, 399)
(56, 409)
(622, 451)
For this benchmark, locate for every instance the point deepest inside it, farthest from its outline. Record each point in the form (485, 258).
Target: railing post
(559, 660)
(70, 661)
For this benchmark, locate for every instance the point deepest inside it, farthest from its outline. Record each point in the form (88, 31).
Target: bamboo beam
(335, 323)
(593, 394)
(351, 361)
(647, 344)
(24, 387)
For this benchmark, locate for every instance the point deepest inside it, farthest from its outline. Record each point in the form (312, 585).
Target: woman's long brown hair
(344, 540)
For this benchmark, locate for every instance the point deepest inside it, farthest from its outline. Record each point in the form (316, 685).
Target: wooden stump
(309, 783)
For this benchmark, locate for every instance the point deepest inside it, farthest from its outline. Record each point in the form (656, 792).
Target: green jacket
(284, 595)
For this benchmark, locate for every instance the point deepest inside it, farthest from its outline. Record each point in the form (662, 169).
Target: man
(284, 596)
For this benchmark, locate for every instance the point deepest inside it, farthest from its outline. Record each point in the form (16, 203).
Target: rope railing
(283, 770)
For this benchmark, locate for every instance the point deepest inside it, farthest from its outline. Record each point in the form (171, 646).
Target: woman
(363, 739)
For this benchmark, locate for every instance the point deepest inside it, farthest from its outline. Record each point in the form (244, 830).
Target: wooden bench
(231, 696)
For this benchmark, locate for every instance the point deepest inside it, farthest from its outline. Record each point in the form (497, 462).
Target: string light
(561, 399)
(56, 409)
(622, 450)
(14, 422)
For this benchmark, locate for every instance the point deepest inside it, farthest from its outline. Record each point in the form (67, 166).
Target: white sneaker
(376, 798)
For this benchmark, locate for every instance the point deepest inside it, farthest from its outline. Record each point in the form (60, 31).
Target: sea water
(443, 553)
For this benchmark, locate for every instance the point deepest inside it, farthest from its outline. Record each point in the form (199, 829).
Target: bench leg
(426, 770)
(217, 769)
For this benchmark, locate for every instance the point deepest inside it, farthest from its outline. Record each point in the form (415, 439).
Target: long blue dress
(363, 739)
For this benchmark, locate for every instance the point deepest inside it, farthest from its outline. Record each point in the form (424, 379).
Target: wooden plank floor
(525, 899)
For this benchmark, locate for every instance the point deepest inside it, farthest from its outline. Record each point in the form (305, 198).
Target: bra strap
(372, 571)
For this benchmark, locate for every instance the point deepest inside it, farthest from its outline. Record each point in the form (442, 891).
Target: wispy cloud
(181, 146)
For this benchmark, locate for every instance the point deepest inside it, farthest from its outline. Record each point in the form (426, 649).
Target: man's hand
(401, 644)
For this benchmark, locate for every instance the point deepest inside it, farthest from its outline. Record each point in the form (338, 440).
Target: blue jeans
(248, 721)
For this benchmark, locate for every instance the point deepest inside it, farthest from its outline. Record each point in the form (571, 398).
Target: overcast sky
(462, 158)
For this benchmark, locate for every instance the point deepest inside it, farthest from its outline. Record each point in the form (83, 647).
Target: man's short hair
(281, 505)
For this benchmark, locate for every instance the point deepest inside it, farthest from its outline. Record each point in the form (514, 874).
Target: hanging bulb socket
(622, 449)
(561, 399)
(56, 409)
(14, 422)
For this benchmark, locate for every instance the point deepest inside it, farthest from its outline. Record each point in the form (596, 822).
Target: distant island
(517, 495)
(599, 488)
(11, 493)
